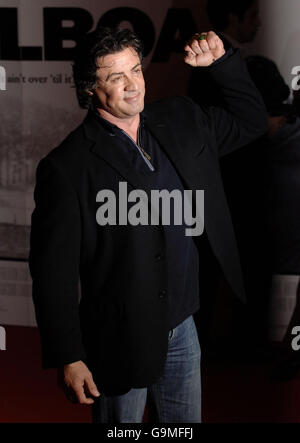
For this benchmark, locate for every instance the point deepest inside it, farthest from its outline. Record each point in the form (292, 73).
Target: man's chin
(134, 110)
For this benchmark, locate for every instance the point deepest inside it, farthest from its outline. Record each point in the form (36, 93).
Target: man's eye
(138, 70)
(116, 79)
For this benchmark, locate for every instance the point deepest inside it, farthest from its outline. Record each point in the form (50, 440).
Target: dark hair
(219, 10)
(101, 42)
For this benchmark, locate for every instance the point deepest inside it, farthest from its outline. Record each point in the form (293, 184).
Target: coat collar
(105, 146)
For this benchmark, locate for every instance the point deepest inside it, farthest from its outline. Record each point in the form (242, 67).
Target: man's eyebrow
(120, 73)
(138, 64)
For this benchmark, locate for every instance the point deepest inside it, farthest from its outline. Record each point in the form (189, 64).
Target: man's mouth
(132, 98)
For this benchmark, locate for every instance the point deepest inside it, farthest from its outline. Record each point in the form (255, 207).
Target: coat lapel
(105, 146)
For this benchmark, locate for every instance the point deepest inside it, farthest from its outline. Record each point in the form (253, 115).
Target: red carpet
(232, 392)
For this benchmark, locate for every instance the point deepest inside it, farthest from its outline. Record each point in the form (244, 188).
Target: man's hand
(77, 383)
(203, 52)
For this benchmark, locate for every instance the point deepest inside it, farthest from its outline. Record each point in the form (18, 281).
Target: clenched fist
(202, 51)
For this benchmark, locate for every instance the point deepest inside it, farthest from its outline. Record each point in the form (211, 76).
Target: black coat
(120, 329)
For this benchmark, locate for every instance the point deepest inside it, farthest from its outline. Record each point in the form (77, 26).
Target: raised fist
(203, 49)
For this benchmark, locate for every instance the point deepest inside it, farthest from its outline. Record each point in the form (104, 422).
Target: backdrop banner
(38, 104)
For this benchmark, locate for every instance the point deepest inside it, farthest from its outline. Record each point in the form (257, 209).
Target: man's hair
(219, 10)
(99, 43)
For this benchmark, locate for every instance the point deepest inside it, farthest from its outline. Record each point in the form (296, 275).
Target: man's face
(248, 27)
(120, 89)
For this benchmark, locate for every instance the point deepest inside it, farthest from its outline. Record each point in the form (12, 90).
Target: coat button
(162, 293)
(159, 256)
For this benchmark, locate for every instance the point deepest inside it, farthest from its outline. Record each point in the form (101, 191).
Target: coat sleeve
(242, 117)
(54, 266)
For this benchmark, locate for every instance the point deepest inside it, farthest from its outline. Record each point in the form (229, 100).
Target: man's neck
(129, 125)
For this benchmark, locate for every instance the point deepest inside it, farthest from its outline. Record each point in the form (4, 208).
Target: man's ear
(89, 92)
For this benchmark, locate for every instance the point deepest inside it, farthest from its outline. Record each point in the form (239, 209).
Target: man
(281, 210)
(134, 331)
(237, 20)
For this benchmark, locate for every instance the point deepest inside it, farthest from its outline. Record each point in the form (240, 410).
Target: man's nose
(131, 84)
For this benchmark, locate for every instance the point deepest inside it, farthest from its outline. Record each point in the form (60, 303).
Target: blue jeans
(177, 393)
